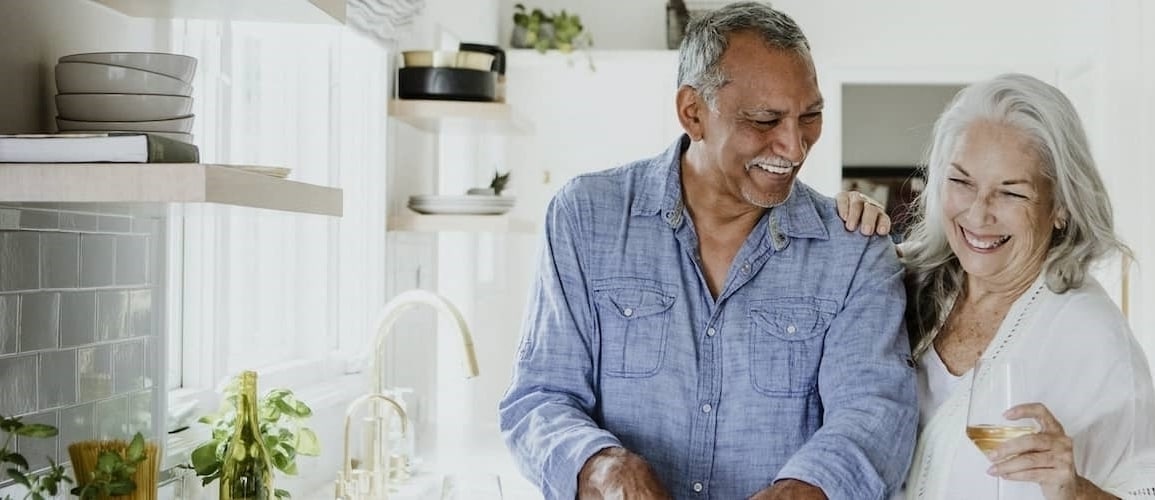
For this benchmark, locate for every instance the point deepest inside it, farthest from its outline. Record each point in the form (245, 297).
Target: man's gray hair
(1056, 134)
(706, 39)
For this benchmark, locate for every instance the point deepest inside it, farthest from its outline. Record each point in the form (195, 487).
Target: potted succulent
(531, 29)
(569, 33)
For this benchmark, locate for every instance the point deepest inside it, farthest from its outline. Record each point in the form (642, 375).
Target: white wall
(34, 33)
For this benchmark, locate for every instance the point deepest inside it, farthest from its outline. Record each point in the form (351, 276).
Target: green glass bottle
(246, 473)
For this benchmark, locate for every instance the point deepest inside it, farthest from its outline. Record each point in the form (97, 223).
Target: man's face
(766, 117)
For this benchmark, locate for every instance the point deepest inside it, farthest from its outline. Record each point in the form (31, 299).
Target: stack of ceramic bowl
(126, 92)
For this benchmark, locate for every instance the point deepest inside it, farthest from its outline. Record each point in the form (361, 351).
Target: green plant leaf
(205, 460)
(279, 493)
(19, 477)
(135, 452)
(17, 460)
(36, 496)
(36, 431)
(9, 424)
(121, 486)
(107, 462)
(307, 442)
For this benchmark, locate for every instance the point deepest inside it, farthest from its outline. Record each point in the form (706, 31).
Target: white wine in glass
(996, 386)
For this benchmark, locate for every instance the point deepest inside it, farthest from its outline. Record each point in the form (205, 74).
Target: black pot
(454, 84)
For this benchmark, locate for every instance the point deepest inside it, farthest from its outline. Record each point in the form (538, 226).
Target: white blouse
(1084, 364)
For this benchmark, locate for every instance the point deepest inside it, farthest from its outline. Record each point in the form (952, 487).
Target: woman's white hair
(1053, 127)
(707, 36)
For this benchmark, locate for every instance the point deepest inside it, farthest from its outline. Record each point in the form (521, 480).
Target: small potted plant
(569, 34)
(531, 29)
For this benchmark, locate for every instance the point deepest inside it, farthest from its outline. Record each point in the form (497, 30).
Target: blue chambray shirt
(799, 369)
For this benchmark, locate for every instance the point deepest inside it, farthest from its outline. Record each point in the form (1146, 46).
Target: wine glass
(996, 386)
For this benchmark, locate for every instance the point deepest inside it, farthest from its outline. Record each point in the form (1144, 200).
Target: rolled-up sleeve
(867, 385)
(545, 415)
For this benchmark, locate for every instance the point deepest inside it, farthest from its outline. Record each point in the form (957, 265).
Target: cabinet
(458, 117)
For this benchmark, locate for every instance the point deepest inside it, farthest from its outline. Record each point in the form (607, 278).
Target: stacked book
(112, 147)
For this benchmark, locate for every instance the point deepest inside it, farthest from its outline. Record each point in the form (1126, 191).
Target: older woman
(1013, 215)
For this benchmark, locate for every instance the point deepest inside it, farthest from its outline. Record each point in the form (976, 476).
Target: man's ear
(691, 112)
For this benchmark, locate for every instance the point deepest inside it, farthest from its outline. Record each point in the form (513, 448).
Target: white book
(112, 147)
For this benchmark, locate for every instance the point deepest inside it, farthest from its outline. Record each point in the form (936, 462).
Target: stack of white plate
(126, 92)
(470, 204)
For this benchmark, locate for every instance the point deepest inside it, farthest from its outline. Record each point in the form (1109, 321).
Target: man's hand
(618, 474)
(790, 489)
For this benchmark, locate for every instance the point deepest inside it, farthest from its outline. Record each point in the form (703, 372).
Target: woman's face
(997, 205)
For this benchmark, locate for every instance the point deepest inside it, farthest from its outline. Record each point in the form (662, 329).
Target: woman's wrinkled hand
(1046, 457)
(862, 212)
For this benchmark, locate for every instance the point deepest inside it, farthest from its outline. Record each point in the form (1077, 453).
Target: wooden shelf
(296, 11)
(162, 183)
(464, 116)
(465, 223)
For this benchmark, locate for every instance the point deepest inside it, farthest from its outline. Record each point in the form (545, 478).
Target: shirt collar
(798, 217)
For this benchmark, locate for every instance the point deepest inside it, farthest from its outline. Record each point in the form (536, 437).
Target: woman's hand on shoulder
(1046, 457)
(862, 212)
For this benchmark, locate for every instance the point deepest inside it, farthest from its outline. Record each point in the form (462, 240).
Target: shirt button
(746, 269)
(630, 312)
(710, 332)
(790, 329)
(706, 408)
(697, 487)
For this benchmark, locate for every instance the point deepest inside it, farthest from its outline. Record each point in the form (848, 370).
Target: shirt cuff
(818, 472)
(562, 469)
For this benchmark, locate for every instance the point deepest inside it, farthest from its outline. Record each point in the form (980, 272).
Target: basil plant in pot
(282, 425)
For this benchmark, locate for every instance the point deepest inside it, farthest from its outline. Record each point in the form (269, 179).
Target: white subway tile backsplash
(60, 260)
(77, 424)
(94, 373)
(9, 323)
(112, 420)
(77, 318)
(114, 224)
(80, 309)
(19, 260)
(17, 385)
(57, 384)
(141, 315)
(79, 222)
(39, 321)
(38, 450)
(140, 412)
(97, 260)
(111, 314)
(39, 219)
(131, 260)
(129, 366)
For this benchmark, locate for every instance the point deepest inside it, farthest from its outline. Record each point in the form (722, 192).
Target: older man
(702, 325)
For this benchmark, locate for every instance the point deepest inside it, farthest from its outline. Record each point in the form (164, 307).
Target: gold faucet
(369, 484)
(378, 463)
(402, 303)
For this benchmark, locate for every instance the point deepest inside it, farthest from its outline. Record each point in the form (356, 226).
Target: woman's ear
(691, 107)
(1061, 219)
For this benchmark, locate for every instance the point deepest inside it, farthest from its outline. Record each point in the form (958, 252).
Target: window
(259, 289)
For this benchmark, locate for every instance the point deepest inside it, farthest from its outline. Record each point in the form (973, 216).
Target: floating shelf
(464, 116)
(162, 183)
(296, 11)
(465, 223)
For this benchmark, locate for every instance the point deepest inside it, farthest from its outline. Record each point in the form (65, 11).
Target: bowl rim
(121, 52)
(90, 63)
(121, 94)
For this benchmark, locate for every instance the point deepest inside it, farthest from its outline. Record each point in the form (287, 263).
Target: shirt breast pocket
(786, 345)
(634, 318)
